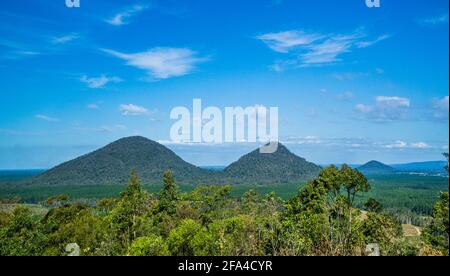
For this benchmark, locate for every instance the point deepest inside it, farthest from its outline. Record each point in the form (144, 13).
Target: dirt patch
(411, 230)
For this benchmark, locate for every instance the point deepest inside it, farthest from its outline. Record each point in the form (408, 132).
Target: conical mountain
(279, 167)
(113, 163)
(375, 167)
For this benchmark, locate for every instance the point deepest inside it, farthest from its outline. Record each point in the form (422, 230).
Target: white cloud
(99, 82)
(162, 63)
(363, 108)
(437, 20)
(420, 145)
(440, 108)
(403, 145)
(315, 49)
(365, 44)
(122, 17)
(385, 109)
(65, 39)
(329, 50)
(397, 145)
(46, 118)
(133, 110)
(395, 101)
(283, 42)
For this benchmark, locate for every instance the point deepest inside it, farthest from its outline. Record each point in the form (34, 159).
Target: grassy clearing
(36, 209)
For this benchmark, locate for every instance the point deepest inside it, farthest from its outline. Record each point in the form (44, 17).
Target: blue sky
(352, 84)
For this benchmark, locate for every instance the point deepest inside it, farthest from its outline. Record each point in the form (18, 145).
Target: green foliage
(125, 215)
(409, 197)
(437, 233)
(372, 205)
(21, 236)
(323, 213)
(149, 246)
(180, 240)
(381, 229)
(210, 201)
(235, 236)
(168, 197)
(56, 200)
(85, 229)
(321, 220)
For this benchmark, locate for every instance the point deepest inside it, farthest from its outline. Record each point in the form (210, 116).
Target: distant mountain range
(113, 163)
(435, 168)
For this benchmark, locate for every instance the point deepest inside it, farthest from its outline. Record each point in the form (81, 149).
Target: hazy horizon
(217, 153)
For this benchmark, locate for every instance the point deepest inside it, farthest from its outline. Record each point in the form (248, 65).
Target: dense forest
(322, 219)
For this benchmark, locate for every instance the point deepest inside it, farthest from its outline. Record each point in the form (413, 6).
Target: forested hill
(375, 167)
(113, 163)
(280, 167)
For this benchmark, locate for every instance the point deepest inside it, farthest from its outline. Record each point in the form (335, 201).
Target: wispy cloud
(65, 38)
(25, 53)
(46, 118)
(385, 109)
(162, 63)
(436, 20)
(420, 145)
(133, 110)
(330, 50)
(368, 43)
(99, 82)
(404, 145)
(284, 42)
(35, 45)
(396, 145)
(355, 143)
(440, 108)
(124, 16)
(16, 50)
(315, 49)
